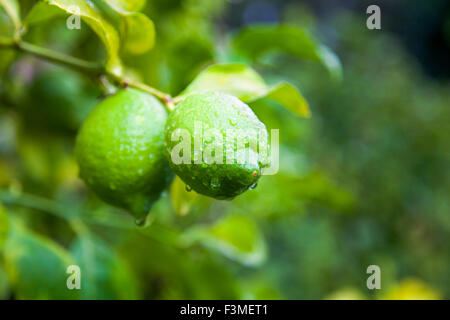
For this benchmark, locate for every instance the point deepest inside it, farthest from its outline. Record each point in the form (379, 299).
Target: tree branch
(87, 67)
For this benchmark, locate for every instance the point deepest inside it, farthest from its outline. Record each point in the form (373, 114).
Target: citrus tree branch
(87, 67)
(91, 68)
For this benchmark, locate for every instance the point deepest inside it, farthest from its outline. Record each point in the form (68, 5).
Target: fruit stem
(87, 67)
(164, 97)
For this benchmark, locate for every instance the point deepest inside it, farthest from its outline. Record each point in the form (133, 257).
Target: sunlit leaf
(183, 201)
(92, 16)
(245, 83)
(412, 289)
(36, 266)
(235, 236)
(233, 78)
(137, 30)
(126, 5)
(139, 33)
(13, 11)
(254, 41)
(41, 11)
(104, 274)
(288, 95)
(7, 30)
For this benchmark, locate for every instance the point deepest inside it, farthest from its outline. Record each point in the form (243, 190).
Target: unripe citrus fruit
(212, 143)
(120, 151)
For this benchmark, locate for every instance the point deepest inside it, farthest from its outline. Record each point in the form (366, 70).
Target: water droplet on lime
(140, 222)
(215, 183)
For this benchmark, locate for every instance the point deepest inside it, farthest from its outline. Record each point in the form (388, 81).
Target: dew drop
(215, 183)
(188, 188)
(140, 222)
(253, 186)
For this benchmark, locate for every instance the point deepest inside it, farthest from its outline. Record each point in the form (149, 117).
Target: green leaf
(137, 30)
(245, 83)
(105, 275)
(254, 41)
(184, 201)
(92, 16)
(41, 11)
(234, 78)
(4, 285)
(126, 5)
(13, 11)
(288, 95)
(235, 236)
(4, 226)
(36, 266)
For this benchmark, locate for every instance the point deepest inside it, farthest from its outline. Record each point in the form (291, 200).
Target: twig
(90, 68)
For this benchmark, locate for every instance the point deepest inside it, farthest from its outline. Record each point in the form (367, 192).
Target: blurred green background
(364, 181)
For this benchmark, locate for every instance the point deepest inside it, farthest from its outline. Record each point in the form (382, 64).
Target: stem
(77, 219)
(50, 55)
(87, 67)
(35, 202)
(64, 211)
(164, 97)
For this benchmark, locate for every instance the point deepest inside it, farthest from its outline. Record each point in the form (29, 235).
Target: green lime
(212, 143)
(120, 151)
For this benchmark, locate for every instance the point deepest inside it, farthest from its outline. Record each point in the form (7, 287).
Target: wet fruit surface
(120, 151)
(219, 125)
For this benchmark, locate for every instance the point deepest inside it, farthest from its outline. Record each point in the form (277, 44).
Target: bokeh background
(364, 181)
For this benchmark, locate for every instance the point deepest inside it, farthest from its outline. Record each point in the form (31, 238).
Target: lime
(212, 142)
(120, 151)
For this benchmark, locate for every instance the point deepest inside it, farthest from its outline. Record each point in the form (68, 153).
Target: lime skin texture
(120, 151)
(224, 114)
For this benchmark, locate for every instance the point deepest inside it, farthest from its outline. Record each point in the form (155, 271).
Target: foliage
(362, 181)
